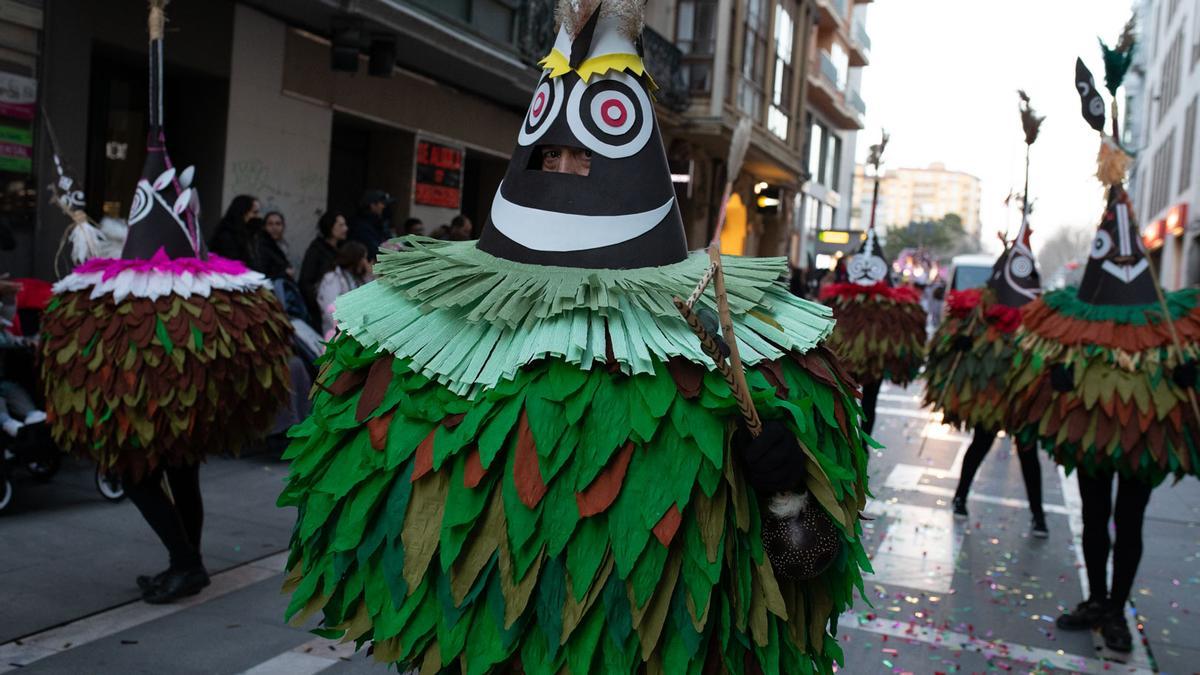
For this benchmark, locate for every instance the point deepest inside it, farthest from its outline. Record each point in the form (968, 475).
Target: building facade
(1163, 101)
(908, 195)
(305, 104)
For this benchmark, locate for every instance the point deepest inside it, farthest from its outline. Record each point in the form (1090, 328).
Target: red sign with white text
(439, 175)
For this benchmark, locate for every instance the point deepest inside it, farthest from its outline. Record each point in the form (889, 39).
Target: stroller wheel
(44, 469)
(6, 490)
(110, 486)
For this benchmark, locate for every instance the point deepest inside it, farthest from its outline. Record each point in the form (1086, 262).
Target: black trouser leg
(869, 399)
(1096, 494)
(1132, 498)
(1031, 471)
(981, 442)
(156, 507)
(185, 488)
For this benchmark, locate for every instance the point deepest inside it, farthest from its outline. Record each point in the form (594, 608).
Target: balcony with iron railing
(665, 62)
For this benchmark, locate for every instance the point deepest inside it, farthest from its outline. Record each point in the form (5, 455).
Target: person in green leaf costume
(970, 355)
(520, 459)
(1105, 378)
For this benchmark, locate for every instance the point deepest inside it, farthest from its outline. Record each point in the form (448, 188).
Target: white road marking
(919, 547)
(943, 639)
(24, 651)
(309, 658)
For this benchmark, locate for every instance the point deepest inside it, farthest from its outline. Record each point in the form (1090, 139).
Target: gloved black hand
(773, 462)
(1062, 377)
(962, 343)
(1184, 375)
(712, 324)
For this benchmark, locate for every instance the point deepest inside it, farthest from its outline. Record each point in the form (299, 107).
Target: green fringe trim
(1065, 301)
(469, 319)
(415, 533)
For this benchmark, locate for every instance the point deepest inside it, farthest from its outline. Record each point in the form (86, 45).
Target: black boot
(146, 582)
(960, 508)
(1039, 526)
(1086, 616)
(1115, 630)
(177, 584)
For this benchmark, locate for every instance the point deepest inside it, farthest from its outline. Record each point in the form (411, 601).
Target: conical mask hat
(593, 97)
(164, 210)
(1015, 277)
(869, 266)
(1117, 271)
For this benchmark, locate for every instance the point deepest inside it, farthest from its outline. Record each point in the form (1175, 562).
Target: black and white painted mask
(1117, 271)
(868, 267)
(165, 209)
(622, 214)
(1015, 277)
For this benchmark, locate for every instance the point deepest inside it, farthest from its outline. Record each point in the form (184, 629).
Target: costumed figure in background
(521, 458)
(972, 351)
(1105, 378)
(880, 333)
(160, 357)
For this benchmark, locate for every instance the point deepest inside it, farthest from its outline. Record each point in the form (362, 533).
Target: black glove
(1062, 377)
(1184, 375)
(962, 343)
(773, 462)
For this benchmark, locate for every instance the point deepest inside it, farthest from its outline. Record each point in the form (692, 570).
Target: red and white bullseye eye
(612, 112)
(611, 115)
(547, 100)
(539, 105)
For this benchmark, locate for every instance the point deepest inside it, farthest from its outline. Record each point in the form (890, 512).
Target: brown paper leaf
(423, 525)
(527, 475)
(378, 379)
(604, 490)
(668, 525)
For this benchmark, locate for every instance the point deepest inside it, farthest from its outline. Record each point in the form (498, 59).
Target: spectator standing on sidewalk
(351, 270)
(272, 258)
(370, 225)
(235, 235)
(319, 258)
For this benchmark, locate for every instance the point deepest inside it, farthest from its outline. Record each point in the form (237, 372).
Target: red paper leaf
(604, 490)
(473, 472)
(423, 463)
(378, 379)
(377, 427)
(668, 525)
(526, 473)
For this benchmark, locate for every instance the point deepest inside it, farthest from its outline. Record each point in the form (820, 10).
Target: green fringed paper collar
(1065, 301)
(470, 319)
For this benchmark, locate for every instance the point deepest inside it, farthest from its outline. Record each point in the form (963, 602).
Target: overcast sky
(943, 78)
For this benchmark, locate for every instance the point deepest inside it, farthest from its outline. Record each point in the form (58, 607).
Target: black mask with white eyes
(1015, 278)
(1117, 271)
(622, 214)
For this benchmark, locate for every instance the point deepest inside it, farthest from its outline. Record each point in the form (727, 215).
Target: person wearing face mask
(529, 421)
(1106, 379)
(971, 355)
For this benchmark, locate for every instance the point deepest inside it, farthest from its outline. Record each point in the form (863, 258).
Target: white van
(970, 271)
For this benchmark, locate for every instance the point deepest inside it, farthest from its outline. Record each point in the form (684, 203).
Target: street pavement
(946, 596)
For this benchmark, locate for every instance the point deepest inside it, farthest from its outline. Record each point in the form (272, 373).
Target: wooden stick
(708, 344)
(704, 281)
(741, 390)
